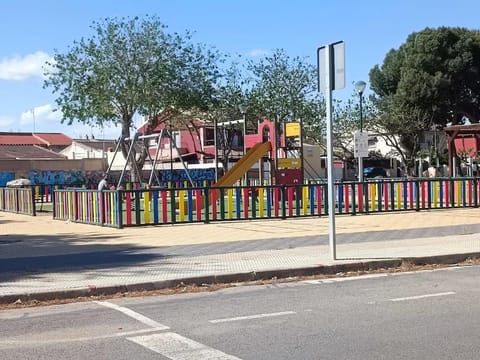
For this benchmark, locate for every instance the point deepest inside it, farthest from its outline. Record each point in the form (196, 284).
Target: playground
(282, 189)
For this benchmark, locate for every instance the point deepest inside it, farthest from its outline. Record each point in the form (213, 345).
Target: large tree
(431, 80)
(435, 70)
(131, 66)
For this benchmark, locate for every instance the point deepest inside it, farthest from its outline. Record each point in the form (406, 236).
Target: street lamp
(360, 87)
(243, 109)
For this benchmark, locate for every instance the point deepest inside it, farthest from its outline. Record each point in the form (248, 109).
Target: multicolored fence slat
(18, 200)
(136, 207)
(87, 206)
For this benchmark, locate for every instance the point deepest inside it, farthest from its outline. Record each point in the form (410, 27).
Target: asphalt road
(423, 315)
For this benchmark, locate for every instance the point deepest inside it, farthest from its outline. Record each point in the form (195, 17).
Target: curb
(239, 277)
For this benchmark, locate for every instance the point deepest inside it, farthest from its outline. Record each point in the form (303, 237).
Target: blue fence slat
(238, 200)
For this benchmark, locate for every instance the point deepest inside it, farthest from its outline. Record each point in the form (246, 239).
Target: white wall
(78, 151)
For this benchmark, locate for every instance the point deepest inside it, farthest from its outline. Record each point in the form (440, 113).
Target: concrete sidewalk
(45, 259)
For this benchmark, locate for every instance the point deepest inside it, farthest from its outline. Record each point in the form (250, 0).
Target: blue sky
(31, 30)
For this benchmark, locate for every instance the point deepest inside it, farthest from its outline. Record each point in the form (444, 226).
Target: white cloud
(41, 114)
(258, 52)
(5, 122)
(21, 68)
(49, 120)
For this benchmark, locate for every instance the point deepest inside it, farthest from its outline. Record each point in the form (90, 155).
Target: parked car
(374, 172)
(19, 183)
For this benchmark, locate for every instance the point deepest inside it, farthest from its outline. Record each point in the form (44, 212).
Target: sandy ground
(15, 226)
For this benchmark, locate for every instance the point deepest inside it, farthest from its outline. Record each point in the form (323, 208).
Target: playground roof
(463, 129)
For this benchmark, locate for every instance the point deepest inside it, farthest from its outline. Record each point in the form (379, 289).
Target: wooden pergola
(462, 140)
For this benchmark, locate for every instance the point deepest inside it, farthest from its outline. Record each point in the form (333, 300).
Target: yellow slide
(244, 164)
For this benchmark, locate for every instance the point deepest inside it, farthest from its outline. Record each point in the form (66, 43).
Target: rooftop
(27, 152)
(26, 138)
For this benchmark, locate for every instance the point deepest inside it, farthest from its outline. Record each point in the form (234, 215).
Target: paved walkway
(44, 258)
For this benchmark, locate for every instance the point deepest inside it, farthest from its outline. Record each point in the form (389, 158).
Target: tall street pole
(331, 76)
(360, 87)
(215, 144)
(330, 179)
(245, 178)
(360, 159)
(243, 109)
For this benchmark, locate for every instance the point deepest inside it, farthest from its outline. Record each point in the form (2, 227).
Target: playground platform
(42, 258)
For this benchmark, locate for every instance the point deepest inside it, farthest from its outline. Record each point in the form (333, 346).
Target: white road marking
(423, 296)
(28, 341)
(139, 317)
(249, 317)
(177, 347)
(380, 275)
(342, 279)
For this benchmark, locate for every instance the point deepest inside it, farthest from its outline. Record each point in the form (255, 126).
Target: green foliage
(130, 66)
(285, 89)
(432, 79)
(346, 121)
(436, 71)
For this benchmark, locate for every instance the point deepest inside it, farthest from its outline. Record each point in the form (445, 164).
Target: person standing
(103, 184)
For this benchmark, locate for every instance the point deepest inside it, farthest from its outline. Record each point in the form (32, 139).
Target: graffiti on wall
(92, 178)
(6, 177)
(181, 175)
(73, 177)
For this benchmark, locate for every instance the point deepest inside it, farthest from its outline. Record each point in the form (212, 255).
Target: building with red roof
(49, 140)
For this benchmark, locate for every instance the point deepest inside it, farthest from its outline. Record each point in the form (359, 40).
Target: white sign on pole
(336, 66)
(360, 144)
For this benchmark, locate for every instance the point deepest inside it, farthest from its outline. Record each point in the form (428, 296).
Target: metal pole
(33, 116)
(171, 155)
(245, 178)
(331, 184)
(437, 160)
(215, 143)
(360, 159)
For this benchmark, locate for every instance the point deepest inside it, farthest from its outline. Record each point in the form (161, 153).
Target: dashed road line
(417, 297)
(343, 279)
(133, 314)
(380, 275)
(250, 317)
(177, 347)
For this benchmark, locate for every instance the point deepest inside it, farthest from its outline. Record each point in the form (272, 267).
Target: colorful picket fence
(87, 206)
(121, 208)
(17, 200)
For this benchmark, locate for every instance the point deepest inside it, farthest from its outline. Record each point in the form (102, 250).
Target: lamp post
(360, 87)
(243, 109)
(215, 144)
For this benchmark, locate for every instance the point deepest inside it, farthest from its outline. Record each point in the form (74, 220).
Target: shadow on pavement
(3, 221)
(24, 255)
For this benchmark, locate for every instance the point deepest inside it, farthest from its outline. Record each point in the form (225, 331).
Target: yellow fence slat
(146, 207)
(181, 205)
(261, 202)
(305, 200)
(230, 203)
(373, 196)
